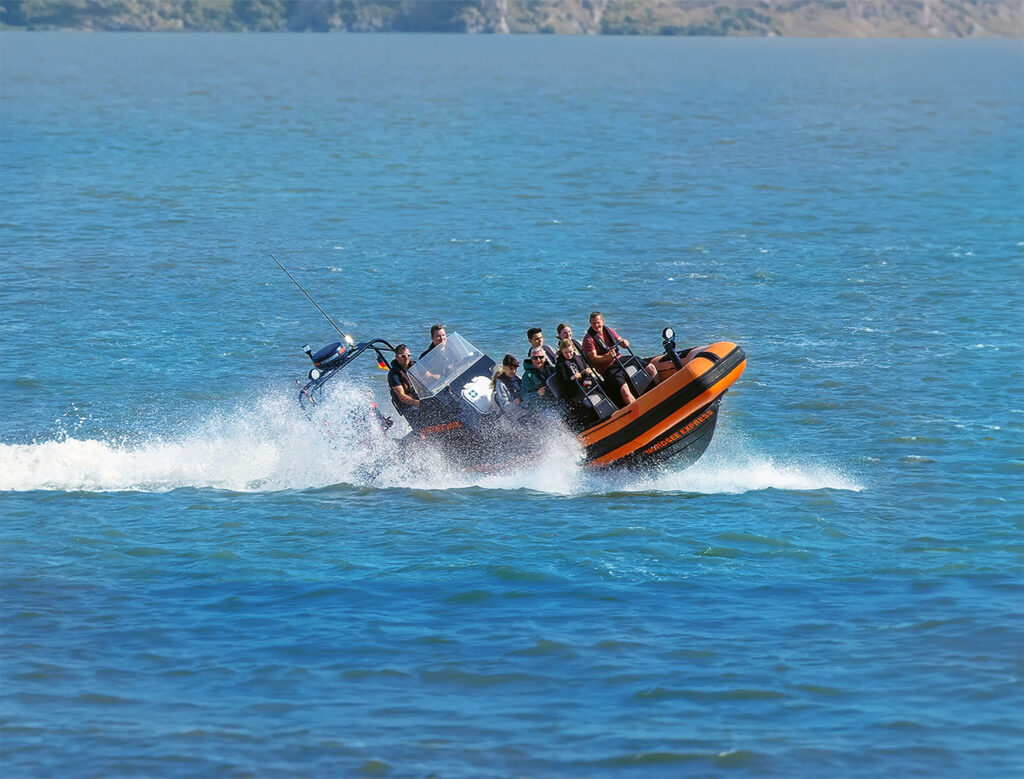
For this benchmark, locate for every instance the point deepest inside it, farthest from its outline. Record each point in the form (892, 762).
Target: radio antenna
(286, 273)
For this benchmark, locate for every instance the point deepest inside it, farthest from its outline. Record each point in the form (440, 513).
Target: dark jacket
(399, 378)
(568, 386)
(533, 379)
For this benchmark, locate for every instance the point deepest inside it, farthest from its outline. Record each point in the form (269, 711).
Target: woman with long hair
(508, 387)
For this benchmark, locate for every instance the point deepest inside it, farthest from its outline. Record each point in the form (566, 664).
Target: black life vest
(599, 345)
(574, 364)
(403, 378)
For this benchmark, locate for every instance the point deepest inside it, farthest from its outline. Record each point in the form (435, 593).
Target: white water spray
(270, 445)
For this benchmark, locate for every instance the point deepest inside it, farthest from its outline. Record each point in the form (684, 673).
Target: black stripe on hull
(667, 407)
(683, 450)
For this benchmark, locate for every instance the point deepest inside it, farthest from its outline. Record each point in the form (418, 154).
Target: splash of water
(270, 445)
(265, 445)
(730, 466)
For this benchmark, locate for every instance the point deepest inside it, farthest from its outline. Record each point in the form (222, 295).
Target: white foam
(266, 445)
(715, 475)
(270, 445)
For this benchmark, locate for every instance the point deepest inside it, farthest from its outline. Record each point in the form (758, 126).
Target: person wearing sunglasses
(403, 394)
(536, 373)
(536, 338)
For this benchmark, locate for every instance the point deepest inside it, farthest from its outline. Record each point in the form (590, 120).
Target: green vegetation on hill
(845, 18)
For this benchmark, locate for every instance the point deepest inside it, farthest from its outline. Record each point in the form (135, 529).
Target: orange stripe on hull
(676, 418)
(694, 370)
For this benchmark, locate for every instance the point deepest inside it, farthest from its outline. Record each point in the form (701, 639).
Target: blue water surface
(199, 580)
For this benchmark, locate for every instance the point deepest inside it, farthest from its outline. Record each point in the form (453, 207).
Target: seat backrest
(553, 385)
(601, 403)
(595, 397)
(640, 379)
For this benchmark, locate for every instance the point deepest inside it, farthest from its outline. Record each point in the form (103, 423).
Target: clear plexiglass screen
(443, 365)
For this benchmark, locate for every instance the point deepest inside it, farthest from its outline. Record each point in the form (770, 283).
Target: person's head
(563, 331)
(402, 355)
(596, 320)
(567, 347)
(537, 356)
(535, 336)
(438, 335)
(510, 365)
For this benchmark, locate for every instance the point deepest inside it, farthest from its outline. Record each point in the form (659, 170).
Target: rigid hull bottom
(682, 446)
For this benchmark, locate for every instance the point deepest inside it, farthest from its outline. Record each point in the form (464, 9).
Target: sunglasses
(406, 356)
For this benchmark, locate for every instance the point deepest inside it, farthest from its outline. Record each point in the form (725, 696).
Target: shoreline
(931, 19)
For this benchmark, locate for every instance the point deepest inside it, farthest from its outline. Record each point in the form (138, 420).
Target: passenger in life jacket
(507, 386)
(564, 332)
(536, 373)
(573, 374)
(600, 345)
(536, 338)
(403, 393)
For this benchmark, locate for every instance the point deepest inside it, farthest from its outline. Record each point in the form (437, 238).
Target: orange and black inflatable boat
(672, 419)
(675, 419)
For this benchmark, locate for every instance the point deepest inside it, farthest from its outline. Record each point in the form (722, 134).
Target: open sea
(197, 580)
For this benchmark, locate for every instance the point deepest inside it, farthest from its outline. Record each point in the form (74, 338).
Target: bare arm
(597, 360)
(404, 396)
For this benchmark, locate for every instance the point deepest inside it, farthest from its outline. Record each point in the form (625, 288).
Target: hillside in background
(823, 18)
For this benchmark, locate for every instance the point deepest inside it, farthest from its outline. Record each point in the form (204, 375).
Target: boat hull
(681, 447)
(675, 420)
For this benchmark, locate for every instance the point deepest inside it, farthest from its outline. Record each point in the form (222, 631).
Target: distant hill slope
(823, 18)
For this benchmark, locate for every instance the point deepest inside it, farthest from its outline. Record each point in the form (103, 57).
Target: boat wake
(270, 445)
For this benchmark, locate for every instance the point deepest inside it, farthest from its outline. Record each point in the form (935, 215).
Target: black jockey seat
(599, 401)
(552, 385)
(639, 378)
(595, 398)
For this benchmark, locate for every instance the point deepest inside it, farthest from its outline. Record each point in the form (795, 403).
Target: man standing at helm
(437, 337)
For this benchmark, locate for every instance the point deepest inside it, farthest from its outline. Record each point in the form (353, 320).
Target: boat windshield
(443, 364)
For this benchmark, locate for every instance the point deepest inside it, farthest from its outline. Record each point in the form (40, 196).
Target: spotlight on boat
(668, 340)
(314, 374)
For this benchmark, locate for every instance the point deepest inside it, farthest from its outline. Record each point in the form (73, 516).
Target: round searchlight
(314, 374)
(668, 333)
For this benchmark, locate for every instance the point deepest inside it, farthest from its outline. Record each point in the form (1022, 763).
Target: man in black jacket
(403, 393)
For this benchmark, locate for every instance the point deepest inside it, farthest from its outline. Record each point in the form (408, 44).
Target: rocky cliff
(822, 18)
